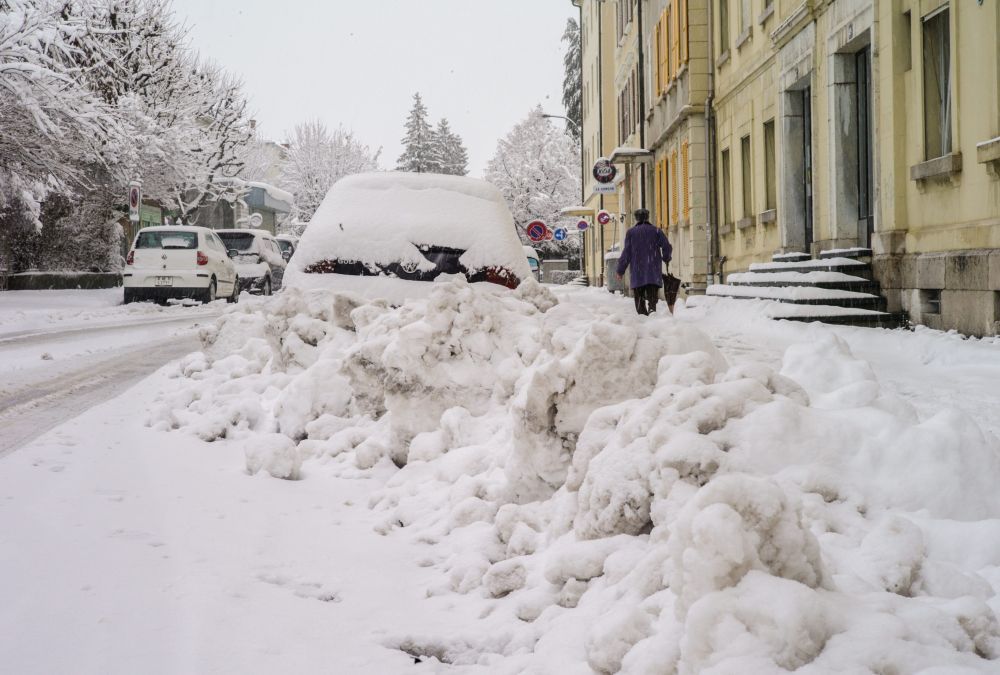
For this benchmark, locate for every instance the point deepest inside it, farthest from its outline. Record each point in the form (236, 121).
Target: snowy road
(51, 374)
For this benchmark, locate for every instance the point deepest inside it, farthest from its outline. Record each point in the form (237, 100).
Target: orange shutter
(656, 197)
(664, 198)
(685, 190)
(673, 187)
(660, 75)
(675, 56)
(683, 12)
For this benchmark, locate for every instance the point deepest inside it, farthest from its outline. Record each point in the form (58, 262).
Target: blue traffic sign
(560, 234)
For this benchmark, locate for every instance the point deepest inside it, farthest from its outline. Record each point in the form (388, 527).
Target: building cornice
(795, 22)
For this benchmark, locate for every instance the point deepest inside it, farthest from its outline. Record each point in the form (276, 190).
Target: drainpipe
(642, 104)
(710, 193)
(600, 124)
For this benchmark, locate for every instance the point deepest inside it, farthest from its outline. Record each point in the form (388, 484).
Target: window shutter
(685, 190)
(659, 78)
(683, 12)
(675, 30)
(673, 187)
(665, 47)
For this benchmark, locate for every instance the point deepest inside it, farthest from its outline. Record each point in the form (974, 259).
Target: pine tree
(418, 144)
(573, 81)
(450, 155)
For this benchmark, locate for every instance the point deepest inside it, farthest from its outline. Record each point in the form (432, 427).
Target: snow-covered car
(258, 259)
(179, 262)
(287, 243)
(533, 261)
(386, 235)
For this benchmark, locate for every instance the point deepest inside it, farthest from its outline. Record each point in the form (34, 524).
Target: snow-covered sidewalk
(584, 490)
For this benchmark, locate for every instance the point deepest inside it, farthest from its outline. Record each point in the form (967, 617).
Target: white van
(179, 262)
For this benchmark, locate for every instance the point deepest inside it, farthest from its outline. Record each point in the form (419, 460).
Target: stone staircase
(836, 288)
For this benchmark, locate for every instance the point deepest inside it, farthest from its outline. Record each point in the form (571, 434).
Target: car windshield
(168, 240)
(241, 241)
(533, 263)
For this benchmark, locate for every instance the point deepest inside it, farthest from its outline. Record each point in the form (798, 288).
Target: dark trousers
(646, 298)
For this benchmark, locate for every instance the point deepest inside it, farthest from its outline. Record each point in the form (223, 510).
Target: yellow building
(937, 241)
(598, 34)
(865, 128)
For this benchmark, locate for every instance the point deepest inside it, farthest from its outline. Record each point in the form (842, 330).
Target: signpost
(134, 200)
(582, 225)
(537, 231)
(603, 217)
(560, 234)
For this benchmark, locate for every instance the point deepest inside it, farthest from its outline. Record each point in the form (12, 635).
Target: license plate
(164, 281)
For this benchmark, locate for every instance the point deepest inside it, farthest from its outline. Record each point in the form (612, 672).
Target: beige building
(810, 126)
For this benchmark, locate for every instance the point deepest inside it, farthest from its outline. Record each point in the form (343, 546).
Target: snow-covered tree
(448, 151)
(317, 158)
(418, 143)
(573, 80)
(537, 169)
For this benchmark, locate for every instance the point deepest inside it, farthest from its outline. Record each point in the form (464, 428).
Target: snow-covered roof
(623, 155)
(257, 233)
(273, 192)
(530, 252)
(382, 218)
(176, 228)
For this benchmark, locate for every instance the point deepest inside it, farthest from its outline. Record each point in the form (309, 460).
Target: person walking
(646, 247)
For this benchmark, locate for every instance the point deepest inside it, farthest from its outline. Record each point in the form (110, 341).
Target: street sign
(608, 189)
(537, 230)
(582, 225)
(560, 234)
(603, 217)
(549, 235)
(604, 171)
(134, 201)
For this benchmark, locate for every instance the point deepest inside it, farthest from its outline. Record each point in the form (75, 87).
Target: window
(727, 203)
(167, 239)
(723, 26)
(770, 188)
(744, 15)
(906, 41)
(746, 176)
(937, 85)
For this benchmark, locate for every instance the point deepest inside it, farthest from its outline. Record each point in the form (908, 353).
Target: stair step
(799, 295)
(842, 265)
(791, 257)
(853, 253)
(873, 320)
(835, 281)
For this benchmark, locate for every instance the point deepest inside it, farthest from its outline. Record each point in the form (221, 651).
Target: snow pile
(614, 493)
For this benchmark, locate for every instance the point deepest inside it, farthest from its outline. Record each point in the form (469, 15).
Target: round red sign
(536, 230)
(604, 217)
(604, 171)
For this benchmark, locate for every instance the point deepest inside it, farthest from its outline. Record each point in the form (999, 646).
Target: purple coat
(646, 246)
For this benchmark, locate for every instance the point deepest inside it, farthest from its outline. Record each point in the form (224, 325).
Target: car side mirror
(232, 253)
(287, 255)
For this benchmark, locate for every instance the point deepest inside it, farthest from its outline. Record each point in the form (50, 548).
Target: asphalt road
(38, 398)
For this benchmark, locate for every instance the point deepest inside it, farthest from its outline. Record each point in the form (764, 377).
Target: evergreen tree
(418, 144)
(573, 81)
(450, 155)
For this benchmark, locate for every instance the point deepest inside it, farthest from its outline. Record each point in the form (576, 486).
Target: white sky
(483, 64)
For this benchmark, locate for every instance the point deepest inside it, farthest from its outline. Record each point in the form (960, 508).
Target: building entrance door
(866, 211)
(807, 159)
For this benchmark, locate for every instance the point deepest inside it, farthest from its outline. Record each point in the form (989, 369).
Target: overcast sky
(483, 64)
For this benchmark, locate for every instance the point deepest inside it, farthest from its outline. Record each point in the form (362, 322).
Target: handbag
(671, 285)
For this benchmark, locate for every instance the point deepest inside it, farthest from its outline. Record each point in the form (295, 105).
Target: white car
(179, 262)
(259, 261)
(386, 235)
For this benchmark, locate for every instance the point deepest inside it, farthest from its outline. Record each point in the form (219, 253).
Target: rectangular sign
(134, 201)
(604, 189)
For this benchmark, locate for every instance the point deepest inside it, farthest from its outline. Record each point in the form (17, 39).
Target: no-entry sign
(537, 230)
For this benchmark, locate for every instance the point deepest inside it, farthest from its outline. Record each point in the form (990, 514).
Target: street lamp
(563, 117)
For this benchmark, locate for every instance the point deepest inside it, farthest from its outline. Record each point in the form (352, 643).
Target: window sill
(723, 59)
(988, 153)
(766, 14)
(744, 223)
(743, 37)
(767, 217)
(942, 168)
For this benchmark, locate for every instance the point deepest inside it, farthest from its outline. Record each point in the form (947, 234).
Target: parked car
(258, 259)
(385, 235)
(534, 262)
(179, 262)
(287, 243)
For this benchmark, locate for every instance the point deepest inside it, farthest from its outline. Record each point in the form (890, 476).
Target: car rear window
(168, 240)
(241, 241)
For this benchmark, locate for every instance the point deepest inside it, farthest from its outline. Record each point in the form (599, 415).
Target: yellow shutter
(675, 55)
(656, 196)
(659, 57)
(673, 187)
(664, 198)
(685, 190)
(683, 12)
